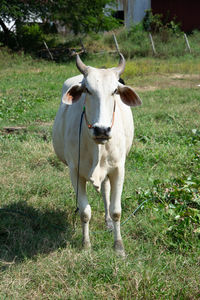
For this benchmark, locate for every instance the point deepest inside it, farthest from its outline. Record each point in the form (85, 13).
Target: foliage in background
(30, 37)
(132, 43)
(81, 17)
(85, 16)
(156, 23)
(135, 42)
(89, 21)
(19, 12)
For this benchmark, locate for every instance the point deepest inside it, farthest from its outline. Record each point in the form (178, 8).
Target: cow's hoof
(109, 225)
(119, 248)
(86, 245)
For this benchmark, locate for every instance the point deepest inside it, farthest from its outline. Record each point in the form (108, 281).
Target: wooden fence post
(152, 44)
(116, 43)
(187, 43)
(51, 56)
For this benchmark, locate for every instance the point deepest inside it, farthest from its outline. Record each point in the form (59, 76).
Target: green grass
(40, 252)
(135, 42)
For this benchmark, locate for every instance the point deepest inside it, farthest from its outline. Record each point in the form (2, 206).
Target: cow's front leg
(105, 189)
(117, 180)
(84, 207)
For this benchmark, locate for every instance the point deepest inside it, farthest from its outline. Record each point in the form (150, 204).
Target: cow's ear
(128, 95)
(73, 94)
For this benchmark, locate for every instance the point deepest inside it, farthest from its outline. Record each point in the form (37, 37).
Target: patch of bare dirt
(145, 88)
(167, 81)
(184, 76)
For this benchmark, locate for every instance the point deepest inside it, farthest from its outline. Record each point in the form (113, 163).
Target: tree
(79, 15)
(85, 15)
(19, 11)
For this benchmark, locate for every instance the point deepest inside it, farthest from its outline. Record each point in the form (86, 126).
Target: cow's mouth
(101, 140)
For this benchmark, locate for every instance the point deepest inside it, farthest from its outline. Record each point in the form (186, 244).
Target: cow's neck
(98, 170)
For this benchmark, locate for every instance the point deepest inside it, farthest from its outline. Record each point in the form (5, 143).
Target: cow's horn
(121, 66)
(80, 65)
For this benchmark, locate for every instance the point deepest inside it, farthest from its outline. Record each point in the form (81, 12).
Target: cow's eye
(87, 91)
(115, 92)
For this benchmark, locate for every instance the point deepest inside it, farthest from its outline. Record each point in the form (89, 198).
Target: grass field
(40, 251)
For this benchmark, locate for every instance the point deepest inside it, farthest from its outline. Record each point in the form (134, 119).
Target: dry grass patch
(164, 81)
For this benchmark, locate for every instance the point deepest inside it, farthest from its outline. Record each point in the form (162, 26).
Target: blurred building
(185, 12)
(132, 11)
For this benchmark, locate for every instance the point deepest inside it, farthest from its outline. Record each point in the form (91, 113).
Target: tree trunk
(6, 32)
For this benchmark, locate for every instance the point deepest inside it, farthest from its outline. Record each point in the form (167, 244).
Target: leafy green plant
(180, 203)
(152, 22)
(156, 23)
(30, 37)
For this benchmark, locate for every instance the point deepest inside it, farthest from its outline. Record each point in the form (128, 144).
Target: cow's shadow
(26, 231)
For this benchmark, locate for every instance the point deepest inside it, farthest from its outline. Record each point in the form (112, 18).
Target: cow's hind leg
(84, 207)
(105, 189)
(117, 180)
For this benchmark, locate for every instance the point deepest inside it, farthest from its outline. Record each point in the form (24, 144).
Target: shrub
(30, 37)
(156, 23)
(152, 22)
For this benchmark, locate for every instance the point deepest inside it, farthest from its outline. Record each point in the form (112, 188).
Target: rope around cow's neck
(79, 147)
(79, 152)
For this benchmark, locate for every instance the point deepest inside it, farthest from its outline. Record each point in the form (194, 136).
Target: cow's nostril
(101, 131)
(97, 130)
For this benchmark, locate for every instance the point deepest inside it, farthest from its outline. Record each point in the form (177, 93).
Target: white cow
(106, 138)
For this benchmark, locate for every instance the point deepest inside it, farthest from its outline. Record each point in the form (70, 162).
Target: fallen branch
(14, 129)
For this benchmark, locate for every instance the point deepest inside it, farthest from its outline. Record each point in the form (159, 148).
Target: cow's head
(100, 87)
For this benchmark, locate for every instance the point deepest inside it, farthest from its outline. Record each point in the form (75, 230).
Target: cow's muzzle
(101, 134)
